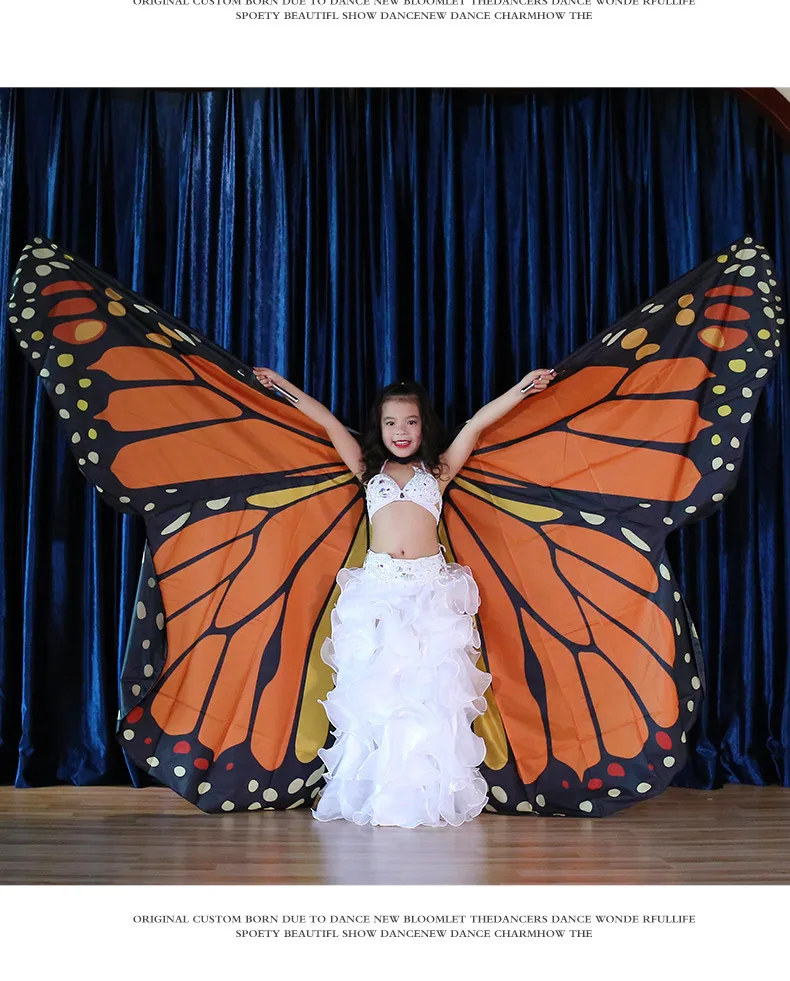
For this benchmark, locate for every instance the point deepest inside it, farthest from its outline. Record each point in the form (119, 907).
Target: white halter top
(422, 489)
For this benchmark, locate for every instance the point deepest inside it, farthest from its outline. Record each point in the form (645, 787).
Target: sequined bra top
(422, 489)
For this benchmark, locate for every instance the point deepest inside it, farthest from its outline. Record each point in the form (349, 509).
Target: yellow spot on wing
(279, 498)
(530, 512)
(313, 727)
(489, 725)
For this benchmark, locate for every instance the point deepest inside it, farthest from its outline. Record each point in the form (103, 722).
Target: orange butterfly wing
(562, 514)
(249, 514)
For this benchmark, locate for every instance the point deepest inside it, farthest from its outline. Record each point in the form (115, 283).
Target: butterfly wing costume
(561, 512)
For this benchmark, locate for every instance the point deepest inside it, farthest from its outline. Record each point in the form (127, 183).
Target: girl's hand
(267, 377)
(539, 378)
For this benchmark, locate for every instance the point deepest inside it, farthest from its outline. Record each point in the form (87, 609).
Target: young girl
(404, 647)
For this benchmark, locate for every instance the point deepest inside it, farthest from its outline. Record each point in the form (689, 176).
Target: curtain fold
(347, 238)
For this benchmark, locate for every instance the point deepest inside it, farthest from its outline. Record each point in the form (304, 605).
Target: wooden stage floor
(119, 835)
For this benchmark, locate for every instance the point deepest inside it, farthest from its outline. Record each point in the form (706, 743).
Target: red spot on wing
(664, 741)
(182, 746)
(80, 331)
(65, 286)
(615, 770)
(201, 763)
(726, 311)
(73, 307)
(595, 784)
(135, 715)
(729, 291)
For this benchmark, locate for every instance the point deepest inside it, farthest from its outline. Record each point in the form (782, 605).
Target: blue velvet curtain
(347, 238)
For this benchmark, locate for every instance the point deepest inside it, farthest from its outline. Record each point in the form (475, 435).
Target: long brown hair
(433, 443)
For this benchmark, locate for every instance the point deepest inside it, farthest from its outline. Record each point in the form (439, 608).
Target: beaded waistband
(383, 566)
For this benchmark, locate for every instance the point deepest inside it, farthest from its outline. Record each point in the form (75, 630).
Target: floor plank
(119, 835)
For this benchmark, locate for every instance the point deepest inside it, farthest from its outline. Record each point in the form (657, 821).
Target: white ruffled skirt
(404, 650)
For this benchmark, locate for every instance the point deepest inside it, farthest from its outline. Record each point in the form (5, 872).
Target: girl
(404, 647)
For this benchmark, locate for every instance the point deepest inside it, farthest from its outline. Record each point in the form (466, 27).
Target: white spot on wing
(634, 539)
(179, 522)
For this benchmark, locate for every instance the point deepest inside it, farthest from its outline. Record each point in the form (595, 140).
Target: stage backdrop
(349, 238)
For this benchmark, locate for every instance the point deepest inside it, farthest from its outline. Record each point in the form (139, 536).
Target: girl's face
(401, 426)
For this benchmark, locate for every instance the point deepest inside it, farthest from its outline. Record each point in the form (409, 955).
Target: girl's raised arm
(345, 444)
(461, 447)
